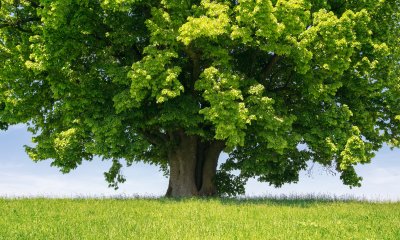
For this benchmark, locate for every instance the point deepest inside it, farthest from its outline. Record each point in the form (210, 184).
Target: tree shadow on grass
(303, 203)
(283, 200)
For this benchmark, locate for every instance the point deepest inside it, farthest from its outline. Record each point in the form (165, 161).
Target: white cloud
(383, 176)
(380, 183)
(140, 181)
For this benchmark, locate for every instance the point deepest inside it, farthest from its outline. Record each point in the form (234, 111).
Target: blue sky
(19, 176)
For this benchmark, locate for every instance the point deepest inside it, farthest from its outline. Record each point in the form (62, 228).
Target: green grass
(43, 218)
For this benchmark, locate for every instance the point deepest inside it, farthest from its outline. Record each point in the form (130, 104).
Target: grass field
(39, 218)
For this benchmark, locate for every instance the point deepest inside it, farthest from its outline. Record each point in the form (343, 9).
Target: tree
(175, 83)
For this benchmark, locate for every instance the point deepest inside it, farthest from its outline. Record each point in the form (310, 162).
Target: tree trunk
(193, 165)
(182, 166)
(212, 153)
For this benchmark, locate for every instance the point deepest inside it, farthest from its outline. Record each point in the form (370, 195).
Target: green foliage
(227, 111)
(118, 78)
(197, 219)
(229, 184)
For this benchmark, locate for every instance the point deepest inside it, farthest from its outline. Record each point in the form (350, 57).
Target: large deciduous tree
(274, 83)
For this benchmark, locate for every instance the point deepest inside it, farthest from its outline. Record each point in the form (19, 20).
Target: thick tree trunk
(212, 153)
(193, 165)
(182, 167)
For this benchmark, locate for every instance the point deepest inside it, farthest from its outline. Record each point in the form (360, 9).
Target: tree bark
(193, 165)
(182, 166)
(212, 153)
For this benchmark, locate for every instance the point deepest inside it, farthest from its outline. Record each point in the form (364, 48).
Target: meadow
(161, 218)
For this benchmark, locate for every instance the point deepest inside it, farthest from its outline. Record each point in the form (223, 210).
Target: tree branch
(195, 61)
(18, 24)
(155, 138)
(268, 68)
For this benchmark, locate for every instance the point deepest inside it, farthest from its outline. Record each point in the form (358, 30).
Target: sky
(21, 177)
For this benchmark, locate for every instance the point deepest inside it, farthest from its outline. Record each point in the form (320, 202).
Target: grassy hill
(39, 218)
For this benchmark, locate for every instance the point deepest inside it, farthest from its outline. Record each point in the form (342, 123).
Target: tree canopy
(274, 83)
